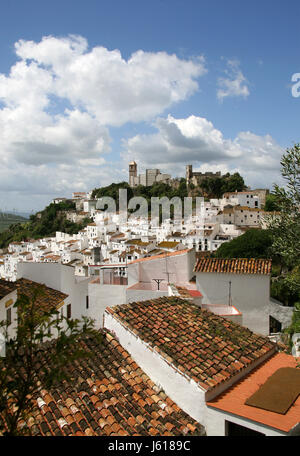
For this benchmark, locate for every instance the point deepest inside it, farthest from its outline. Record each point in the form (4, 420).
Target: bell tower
(132, 173)
(188, 173)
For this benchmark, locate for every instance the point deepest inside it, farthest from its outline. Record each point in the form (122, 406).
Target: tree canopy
(254, 243)
(215, 187)
(285, 225)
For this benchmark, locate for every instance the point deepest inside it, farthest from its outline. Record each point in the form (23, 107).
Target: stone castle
(152, 176)
(196, 177)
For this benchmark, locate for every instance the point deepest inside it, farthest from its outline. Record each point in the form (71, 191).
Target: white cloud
(113, 89)
(235, 84)
(59, 100)
(195, 140)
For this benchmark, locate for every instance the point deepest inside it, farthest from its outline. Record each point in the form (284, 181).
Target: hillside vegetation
(212, 187)
(43, 224)
(51, 219)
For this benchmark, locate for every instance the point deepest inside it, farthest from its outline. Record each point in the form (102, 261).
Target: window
(87, 302)
(233, 429)
(8, 316)
(69, 311)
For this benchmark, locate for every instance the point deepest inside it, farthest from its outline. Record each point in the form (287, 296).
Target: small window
(8, 317)
(69, 311)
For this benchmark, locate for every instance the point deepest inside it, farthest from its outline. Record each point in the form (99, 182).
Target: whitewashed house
(243, 283)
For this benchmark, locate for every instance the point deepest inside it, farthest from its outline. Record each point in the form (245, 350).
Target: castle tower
(188, 173)
(132, 173)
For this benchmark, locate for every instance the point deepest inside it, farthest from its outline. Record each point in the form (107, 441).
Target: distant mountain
(22, 214)
(7, 219)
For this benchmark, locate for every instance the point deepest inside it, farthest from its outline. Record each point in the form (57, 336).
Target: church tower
(188, 173)
(132, 173)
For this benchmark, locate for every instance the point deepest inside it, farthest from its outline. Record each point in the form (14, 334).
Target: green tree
(285, 225)
(271, 204)
(255, 243)
(29, 363)
(295, 324)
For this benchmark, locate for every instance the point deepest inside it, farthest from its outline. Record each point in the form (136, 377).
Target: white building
(243, 283)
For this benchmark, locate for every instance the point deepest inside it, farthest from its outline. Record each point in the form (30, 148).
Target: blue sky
(210, 86)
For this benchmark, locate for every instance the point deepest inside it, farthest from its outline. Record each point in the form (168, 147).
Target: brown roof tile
(191, 339)
(6, 288)
(234, 265)
(82, 407)
(49, 298)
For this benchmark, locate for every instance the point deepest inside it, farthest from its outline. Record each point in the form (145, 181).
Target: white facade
(61, 278)
(250, 294)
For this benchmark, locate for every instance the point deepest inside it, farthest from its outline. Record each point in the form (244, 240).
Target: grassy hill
(6, 220)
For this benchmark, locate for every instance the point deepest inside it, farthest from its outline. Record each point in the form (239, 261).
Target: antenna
(229, 297)
(158, 282)
(167, 272)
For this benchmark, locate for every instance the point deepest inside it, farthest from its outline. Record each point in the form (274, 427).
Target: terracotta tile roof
(204, 346)
(6, 288)
(168, 244)
(234, 265)
(233, 400)
(47, 301)
(108, 395)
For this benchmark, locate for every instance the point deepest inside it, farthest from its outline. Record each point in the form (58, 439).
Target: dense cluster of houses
(187, 346)
(108, 239)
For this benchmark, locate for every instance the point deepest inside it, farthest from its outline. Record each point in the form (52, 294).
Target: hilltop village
(108, 240)
(180, 328)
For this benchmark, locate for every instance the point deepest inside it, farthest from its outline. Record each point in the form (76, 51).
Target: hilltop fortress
(149, 178)
(196, 177)
(153, 176)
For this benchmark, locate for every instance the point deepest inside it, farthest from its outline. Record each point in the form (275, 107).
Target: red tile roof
(49, 298)
(109, 394)
(234, 265)
(204, 346)
(6, 288)
(233, 400)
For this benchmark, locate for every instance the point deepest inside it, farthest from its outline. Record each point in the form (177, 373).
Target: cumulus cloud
(195, 140)
(59, 100)
(235, 84)
(113, 89)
